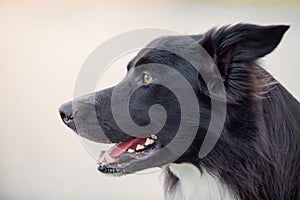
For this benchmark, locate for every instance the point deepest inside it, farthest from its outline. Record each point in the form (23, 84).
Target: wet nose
(66, 113)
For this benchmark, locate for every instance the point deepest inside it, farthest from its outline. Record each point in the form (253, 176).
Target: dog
(256, 156)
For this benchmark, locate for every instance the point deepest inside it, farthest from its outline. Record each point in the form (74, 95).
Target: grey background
(42, 47)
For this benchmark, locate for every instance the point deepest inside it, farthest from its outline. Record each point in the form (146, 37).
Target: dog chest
(192, 185)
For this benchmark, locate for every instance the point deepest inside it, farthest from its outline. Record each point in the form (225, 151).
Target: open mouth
(114, 160)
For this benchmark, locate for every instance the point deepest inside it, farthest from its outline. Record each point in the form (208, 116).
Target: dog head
(234, 51)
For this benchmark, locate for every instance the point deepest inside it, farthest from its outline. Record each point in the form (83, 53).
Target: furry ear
(235, 50)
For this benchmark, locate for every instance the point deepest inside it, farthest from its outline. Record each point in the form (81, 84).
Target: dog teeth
(139, 147)
(130, 151)
(149, 141)
(154, 137)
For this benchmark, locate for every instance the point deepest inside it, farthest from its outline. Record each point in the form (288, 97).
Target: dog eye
(147, 78)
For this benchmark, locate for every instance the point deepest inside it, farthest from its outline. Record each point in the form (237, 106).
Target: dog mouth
(115, 160)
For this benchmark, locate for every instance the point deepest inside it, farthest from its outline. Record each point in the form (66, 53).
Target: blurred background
(44, 43)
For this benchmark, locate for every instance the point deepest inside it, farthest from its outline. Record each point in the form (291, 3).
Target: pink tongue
(122, 147)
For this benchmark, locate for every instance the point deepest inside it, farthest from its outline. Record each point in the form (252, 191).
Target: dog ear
(235, 50)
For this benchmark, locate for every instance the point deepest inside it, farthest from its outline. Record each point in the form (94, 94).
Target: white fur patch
(193, 185)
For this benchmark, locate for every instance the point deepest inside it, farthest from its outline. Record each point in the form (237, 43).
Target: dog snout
(67, 113)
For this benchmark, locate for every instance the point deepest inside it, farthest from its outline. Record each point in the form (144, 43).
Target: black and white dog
(257, 156)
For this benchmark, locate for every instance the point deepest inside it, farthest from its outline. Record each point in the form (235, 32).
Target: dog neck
(185, 181)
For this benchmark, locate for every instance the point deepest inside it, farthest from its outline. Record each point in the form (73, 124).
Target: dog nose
(66, 113)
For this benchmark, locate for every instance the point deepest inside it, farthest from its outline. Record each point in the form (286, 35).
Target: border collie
(257, 153)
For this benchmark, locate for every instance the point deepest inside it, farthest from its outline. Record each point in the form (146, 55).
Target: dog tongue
(122, 147)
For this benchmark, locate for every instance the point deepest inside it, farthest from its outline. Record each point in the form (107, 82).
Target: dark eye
(147, 78)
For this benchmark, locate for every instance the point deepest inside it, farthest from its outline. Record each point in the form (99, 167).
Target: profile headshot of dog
(227, 100)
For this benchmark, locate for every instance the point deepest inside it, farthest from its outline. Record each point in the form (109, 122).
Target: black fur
(258, 153)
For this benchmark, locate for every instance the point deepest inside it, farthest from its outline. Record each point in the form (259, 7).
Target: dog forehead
(173, 44)
(165, 49)
(175, 41)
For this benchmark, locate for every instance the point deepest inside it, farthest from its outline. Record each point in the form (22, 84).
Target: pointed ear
(235, 50)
